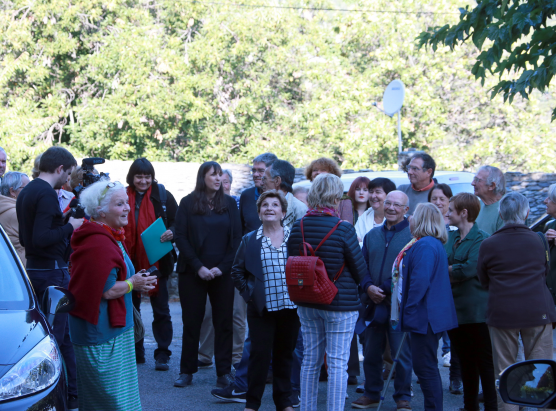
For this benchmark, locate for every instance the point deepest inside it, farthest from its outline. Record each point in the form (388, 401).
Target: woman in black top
(208, 232)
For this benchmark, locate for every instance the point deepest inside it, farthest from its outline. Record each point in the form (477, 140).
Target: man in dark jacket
(513, 266)
(381, 246)
(45, 236)
(248, 200)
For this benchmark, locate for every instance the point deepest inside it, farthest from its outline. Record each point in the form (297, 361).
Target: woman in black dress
(208, 232)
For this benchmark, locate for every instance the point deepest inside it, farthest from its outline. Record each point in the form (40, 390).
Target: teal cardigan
(470, 298)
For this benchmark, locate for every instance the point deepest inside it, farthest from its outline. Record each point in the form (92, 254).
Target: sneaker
(183, 380)
(360, 388)
(73, 403)
(403, 405)
(224, 381)
(456, 387)
(161, 363)
(364, 402)
(446, 359)
(229, 394)
(201, 364)
(295, 398)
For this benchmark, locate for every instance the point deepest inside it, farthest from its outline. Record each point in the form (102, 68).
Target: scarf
(133, 241)
(89, 273)
(322, 211)
(119, 235)
(397, 284)
(431, 185)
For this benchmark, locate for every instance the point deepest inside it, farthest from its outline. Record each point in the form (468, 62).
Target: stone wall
(534, 186)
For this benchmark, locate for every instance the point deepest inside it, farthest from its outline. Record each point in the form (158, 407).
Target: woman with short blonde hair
(428, 221)
(326, 191)
(422, 297)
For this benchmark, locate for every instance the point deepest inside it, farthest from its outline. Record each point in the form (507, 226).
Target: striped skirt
(107, 375)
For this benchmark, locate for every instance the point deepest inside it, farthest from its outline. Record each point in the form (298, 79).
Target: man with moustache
(45, 236)
(248, 201)
(420, 172)
(381, 246)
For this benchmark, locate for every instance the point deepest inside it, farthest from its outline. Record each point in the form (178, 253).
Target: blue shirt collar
(257, 194)
(398, 227)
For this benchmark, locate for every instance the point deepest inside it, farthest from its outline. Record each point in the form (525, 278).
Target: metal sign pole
(399, 133)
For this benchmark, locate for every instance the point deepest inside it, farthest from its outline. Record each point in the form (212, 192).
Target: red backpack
(306, 275)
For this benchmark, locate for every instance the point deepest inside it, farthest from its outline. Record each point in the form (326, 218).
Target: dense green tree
(188, 81)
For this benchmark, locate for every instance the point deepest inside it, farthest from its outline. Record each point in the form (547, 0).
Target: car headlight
(38, 370)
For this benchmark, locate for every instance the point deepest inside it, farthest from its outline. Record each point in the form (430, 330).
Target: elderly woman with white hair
(513, 266)
(101, 324)
(12, 184)
(550, 234)
(328, 327)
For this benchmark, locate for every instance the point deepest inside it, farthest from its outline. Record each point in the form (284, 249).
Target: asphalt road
(158, 393)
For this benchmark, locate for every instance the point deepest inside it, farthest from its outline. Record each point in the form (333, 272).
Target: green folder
(151, 241)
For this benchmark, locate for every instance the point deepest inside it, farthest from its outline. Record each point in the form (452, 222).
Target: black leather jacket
(247, 273)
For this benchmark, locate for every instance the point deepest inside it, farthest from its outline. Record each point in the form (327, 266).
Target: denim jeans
(445, 343)
(330, 332)
(296, 364)
(375, 342)
(241, 369)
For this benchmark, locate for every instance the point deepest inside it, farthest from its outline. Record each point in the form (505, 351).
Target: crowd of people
(410, 265)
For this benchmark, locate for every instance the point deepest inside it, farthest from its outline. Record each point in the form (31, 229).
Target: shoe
(364, 402)
(161, 363)
(295, 398)
(224, 381)
(229, 394)
(73, 403)
(140, 360)
(360, 388)
(446, 359)
(201, 364)
(183, 380)
(481, 397)
(269, 377)
(456, 387)
(352, 380)
(403, 405)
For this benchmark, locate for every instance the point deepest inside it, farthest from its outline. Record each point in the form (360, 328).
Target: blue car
(32, 370)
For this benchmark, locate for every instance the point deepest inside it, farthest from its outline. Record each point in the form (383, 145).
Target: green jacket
(551, 279)
(470, 298)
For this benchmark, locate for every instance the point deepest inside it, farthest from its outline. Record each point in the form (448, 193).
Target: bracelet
(130, 285)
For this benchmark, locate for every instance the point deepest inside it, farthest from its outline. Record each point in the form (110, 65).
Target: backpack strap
(308, 246)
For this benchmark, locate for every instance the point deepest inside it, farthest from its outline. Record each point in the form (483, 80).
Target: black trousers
(41, 280)
(455, 365)
(273, 337)
(193, 298)
(473, 347)
(162, 321)
(353, 362)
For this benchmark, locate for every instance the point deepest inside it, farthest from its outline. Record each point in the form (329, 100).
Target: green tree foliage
(187, 81)
(521, 43)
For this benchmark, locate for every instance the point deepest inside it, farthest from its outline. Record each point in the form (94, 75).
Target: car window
(461, 188)
(14, 293)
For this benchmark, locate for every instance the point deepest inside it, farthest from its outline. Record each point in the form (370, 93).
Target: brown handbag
(306, 275)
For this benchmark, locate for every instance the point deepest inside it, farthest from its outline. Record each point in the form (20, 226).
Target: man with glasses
(381, 246)
(248, 201)
(490, 186)
(420, 172)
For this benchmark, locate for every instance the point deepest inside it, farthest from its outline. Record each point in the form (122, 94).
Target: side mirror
(56, 300)
(529, 384)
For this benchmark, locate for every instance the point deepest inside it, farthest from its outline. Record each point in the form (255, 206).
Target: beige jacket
(8, 220)
(296, 210)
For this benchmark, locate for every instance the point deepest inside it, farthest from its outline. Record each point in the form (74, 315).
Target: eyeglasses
(105, 191)
(397, 206)
(258, 170)
(477, 179)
